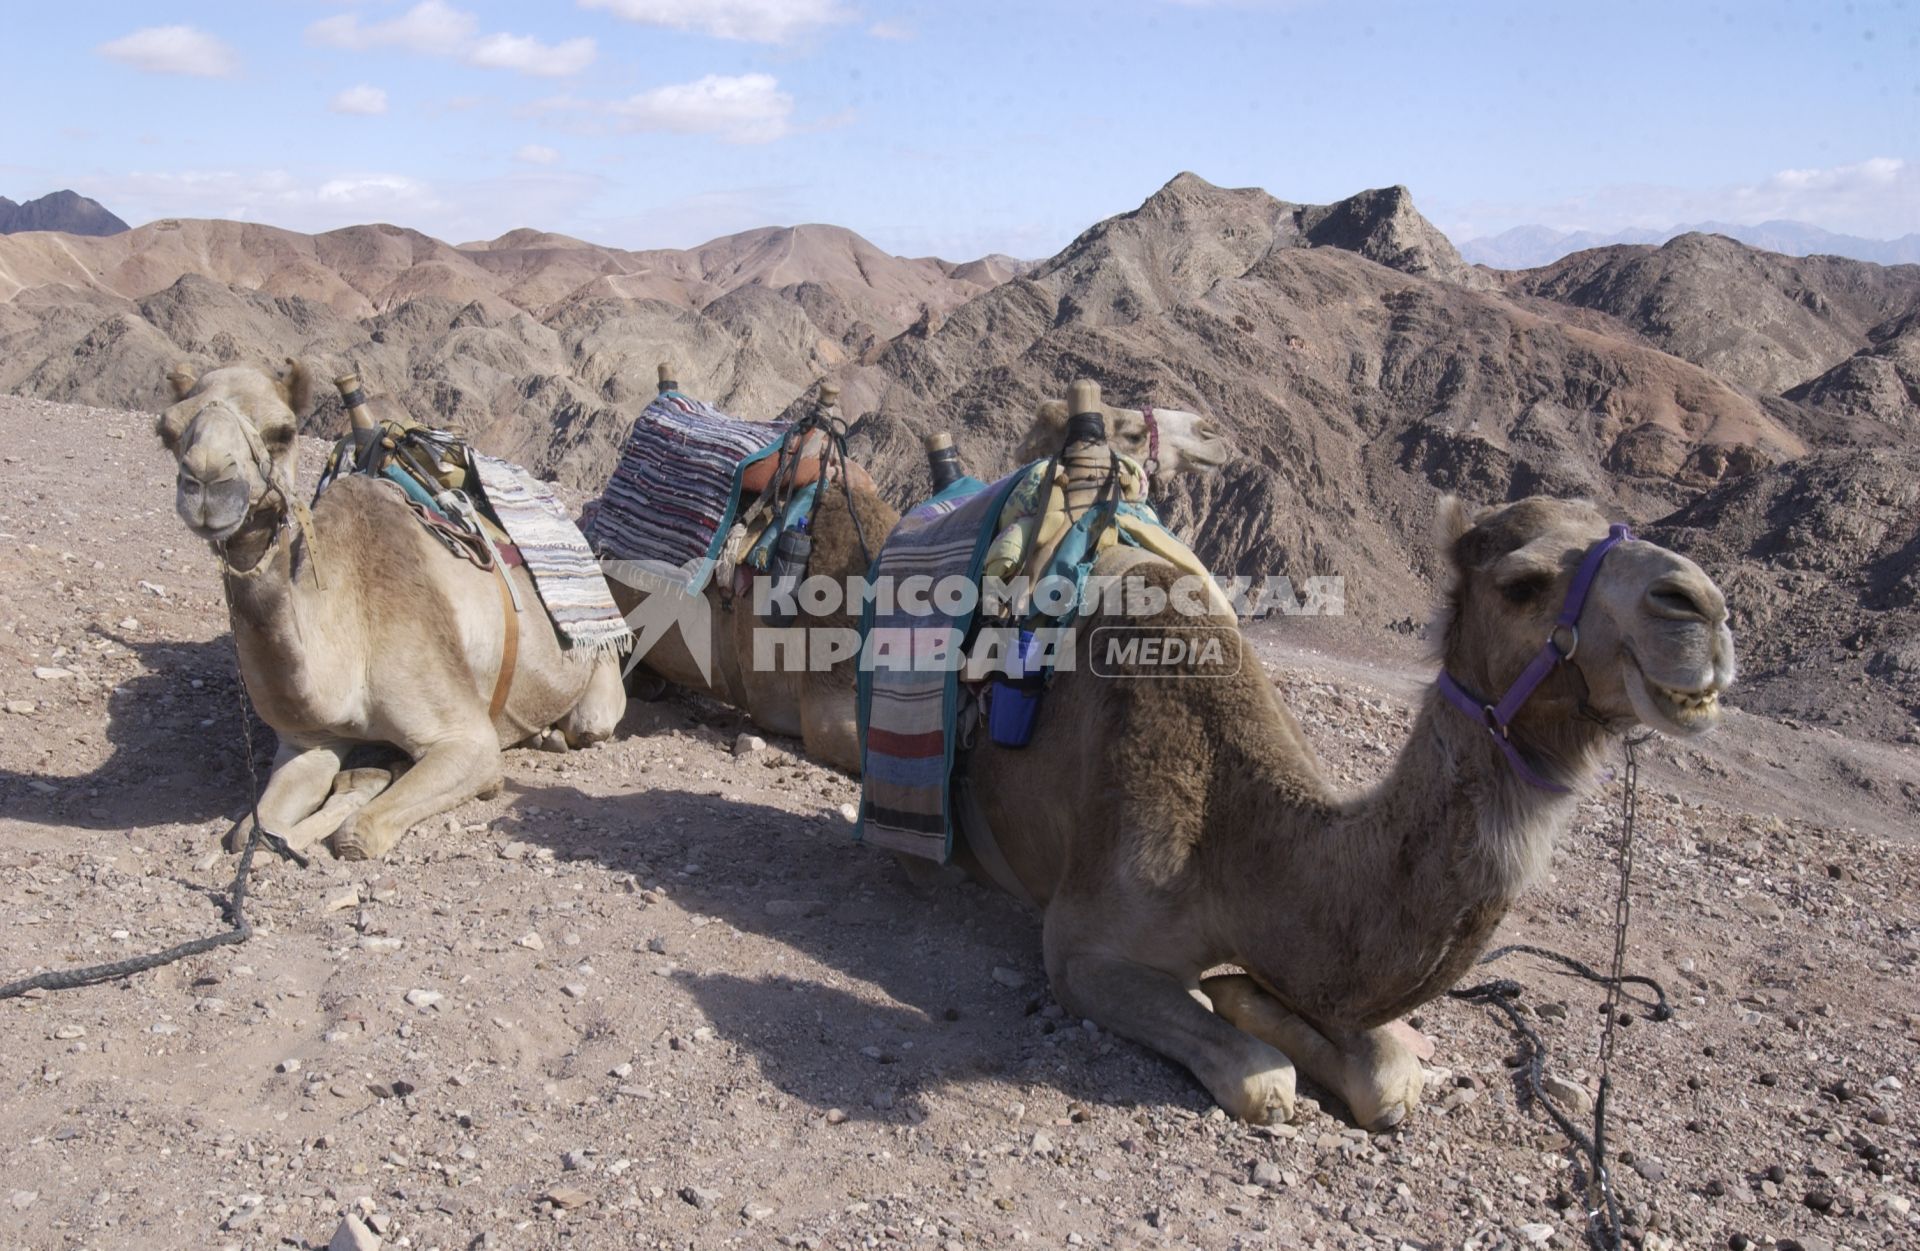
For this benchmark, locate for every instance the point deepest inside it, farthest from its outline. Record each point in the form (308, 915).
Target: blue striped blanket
(566, 575)
(674, 493)
(907, 709)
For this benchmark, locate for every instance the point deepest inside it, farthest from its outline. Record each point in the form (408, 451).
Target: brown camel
(362, 628)
(1167, 827)
(818, 705)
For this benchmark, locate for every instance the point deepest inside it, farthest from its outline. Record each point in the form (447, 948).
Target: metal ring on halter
(1492, 717)
(1553, 637)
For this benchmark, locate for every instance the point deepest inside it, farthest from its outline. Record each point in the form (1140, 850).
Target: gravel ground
(652, 996)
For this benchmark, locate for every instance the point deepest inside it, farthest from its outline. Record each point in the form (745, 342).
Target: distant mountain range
(65, 211)
(1529, 247)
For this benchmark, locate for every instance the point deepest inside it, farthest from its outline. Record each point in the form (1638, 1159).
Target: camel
(359, 627)
(1169, 827)
(817, 706)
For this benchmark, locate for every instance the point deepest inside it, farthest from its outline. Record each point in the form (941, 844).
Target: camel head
(1653, 646)
(232, 432)
(1189, 443)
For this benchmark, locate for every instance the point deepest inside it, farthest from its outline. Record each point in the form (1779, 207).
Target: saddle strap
(978, 833)
(509, 644)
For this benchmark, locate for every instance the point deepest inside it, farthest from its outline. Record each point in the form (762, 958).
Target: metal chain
(1602, 1203)
(1604, 1226)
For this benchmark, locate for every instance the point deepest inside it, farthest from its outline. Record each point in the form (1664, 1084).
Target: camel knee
(601, 706)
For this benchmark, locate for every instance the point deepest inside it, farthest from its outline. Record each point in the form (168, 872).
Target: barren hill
(66, 211)
(1359, 362)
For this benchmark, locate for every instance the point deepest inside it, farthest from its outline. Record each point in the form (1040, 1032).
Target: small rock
(699, 1198)
(836, 1116)
(531, 941)
(566, 1197)
(341, 902)
(574, 990)
(353, 1236)
(67, 1033)
(23, 1199)
(288, 1065)
(1266, 1173)
(424, 998)
(1534, 1234)
(849, 813)
(1042, 1143)
(1566, 1093)
(22, 707)
(153, 588)
(1012, 979)
(573, 1161)
(51, 673)
(747, 744)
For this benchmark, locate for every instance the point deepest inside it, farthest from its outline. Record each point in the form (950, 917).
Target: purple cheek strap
(1498, 718)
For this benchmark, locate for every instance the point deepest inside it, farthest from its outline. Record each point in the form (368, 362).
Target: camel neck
(1412, 878)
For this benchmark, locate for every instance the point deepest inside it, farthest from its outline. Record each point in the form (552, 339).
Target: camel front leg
(1371, 1070)
(445, 775)
(1248, 1078)
(301, 779)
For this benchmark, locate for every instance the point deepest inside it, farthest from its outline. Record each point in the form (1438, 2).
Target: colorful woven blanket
(907, 709)
(564, 571)
(674, 493)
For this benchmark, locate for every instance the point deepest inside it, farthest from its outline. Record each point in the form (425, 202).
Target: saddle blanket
(674, 494)
(908, 712)
(909, 703)
(555, 553)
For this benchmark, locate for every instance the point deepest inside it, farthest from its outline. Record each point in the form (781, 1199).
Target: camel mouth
(1681, 710)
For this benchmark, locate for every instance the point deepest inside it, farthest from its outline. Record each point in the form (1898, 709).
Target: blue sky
(959, 129)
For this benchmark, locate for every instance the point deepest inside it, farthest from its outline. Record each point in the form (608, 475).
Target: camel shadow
(894, 992)
(174, 747)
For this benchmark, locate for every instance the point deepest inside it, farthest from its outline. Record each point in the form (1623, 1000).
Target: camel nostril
(1679, 597)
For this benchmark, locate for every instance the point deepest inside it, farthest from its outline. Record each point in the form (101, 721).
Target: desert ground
(654, 995)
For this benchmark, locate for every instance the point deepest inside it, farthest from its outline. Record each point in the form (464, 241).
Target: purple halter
(1498, 718)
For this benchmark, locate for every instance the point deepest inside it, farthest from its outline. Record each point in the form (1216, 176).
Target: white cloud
(536, 154)
(173, 50)
(363, 100)
(1878, 198)
(431, 28)
(756, 21)
(275, 197)
(528, 55)
(891, 30)
(435, 28)
(749, 108)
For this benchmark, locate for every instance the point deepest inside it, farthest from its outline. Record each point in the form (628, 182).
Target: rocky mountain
(1529, 247)
(1361, 364)
(1757, 319)
(65, 211)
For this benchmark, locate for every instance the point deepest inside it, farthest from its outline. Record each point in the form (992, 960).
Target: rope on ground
(235, 903)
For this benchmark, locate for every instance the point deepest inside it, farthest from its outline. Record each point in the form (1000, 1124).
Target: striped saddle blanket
(567, 577)
(674, 493)
(908, 700)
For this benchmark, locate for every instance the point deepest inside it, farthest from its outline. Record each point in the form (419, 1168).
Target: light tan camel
(818, 706)
(401, 645)
(1168, 826)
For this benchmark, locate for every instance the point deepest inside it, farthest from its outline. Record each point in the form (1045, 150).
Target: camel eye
(1527, 588)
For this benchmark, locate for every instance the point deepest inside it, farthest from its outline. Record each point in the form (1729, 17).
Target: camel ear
(296, 387)
(171, 425)
(1452, 521)
(181, 379)
(1048, 429)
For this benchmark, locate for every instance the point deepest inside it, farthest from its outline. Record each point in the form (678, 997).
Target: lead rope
(1604, 1226)
(236, 901)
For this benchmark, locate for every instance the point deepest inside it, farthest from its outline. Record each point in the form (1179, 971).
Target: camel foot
(352, 841)
(1386, 1083)
(1261, 1098)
